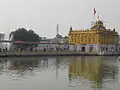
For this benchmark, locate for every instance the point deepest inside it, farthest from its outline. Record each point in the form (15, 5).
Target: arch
(91, 49)
(83, 49)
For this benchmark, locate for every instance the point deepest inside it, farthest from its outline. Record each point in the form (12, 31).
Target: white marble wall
(87, 47)
(72, 47)
(52, 47)
(112, 47)
(118, 47)
(2, 45)
(95, 47)
(106, 47)
(78, 47)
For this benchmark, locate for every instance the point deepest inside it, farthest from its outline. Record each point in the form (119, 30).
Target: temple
(96, 39)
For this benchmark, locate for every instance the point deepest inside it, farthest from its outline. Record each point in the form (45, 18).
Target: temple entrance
(91, 49)
(83, 49)
(106, 49)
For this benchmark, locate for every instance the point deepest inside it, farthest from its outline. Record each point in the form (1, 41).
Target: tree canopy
(58, 36)
(65, 37)
(22, 34)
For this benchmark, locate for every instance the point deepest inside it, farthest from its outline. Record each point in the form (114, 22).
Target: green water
(60, 73)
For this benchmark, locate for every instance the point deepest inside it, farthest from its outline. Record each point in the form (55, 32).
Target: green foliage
(22, 34)
(65, 37)
(59, 36)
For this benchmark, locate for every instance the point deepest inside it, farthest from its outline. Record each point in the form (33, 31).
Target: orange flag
(94, 11)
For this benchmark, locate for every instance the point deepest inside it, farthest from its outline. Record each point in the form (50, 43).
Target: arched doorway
(106, 49)
(91, 49)
(83, 49)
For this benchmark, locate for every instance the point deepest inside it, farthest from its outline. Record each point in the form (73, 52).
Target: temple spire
(98, 17)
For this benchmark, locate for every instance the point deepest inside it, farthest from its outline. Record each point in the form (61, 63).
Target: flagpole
(93, 21)
(94, 18)
(98, 17)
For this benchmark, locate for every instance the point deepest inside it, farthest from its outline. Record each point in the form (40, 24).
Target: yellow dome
(98, 26)
(99, 23)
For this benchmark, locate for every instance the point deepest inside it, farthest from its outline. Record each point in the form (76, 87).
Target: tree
(21, 34)
(65, 37)
(58, 36)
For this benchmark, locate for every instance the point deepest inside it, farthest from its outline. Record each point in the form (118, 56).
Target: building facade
(2, 46)
(96, 39)
(53, 44)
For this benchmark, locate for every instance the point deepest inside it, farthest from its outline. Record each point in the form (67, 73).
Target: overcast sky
(43, 15)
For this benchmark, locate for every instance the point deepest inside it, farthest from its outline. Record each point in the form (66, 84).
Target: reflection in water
(21, 68)
(93, 69)
(63, 72)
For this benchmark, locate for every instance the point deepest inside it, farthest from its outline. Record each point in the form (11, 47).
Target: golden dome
(98, 26)
(99, 23)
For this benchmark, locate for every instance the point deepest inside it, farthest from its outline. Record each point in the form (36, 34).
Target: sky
(42, 16)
